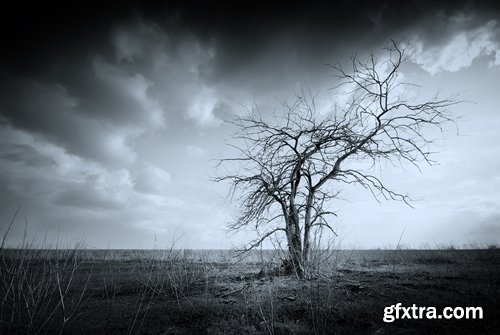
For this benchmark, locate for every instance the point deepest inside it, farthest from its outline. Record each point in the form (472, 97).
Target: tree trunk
(305, 255)
(307, 225)
(295, 248)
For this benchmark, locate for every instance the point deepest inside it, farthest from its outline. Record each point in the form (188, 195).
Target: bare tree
(289, 168)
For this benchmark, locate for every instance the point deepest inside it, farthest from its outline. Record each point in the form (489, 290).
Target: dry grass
(41, 291)
(169, 291)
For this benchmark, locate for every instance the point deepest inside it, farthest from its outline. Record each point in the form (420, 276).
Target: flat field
(213, 292)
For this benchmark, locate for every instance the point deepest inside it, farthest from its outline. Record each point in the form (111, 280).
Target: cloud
(202, 107)
(152, 179)
(177, 71)
(103, 119)
(52, 112)
(37, 169)
(70, 135)
(459, 49)
(25, 154)
(127, 95)
(195, 151)
(62, 189)
(141, 41)
(96, 190)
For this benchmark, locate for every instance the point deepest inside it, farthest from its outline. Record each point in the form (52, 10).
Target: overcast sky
(110, 117)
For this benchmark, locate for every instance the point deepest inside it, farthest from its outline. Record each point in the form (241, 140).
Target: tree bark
(307, 226)
(295, 247)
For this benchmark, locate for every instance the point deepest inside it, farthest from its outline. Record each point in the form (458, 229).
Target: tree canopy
(286, 161)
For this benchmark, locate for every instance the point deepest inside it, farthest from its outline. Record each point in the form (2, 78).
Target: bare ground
(345, 294)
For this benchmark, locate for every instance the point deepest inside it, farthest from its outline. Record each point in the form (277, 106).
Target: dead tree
(289, 166)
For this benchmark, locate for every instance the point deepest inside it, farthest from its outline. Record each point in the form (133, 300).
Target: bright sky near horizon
(110, 118)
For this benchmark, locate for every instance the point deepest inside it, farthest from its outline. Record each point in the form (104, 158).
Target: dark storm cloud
(25, 154)
(51, 111)
(41, 35)
(56, 41)
(44, 32)
(277, 36)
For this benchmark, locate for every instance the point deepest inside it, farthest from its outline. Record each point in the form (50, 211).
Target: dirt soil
(248, 297)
